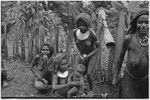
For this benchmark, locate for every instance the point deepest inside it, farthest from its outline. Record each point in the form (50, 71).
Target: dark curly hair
(51, 49)
(83, 17)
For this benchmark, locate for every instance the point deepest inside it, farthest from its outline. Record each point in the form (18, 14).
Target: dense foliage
(26, 25)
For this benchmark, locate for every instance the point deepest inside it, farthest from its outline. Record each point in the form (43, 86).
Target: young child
(78, 78)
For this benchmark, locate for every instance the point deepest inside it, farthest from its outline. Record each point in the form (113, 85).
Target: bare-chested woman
(135, 80)
(41, 66)
(86, 41)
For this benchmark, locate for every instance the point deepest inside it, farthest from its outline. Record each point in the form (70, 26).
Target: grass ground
(22, 84)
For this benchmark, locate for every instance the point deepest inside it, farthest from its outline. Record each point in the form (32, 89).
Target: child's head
(80, 69)
(62, 66)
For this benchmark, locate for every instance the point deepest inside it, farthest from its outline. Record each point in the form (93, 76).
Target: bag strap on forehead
(143, 18)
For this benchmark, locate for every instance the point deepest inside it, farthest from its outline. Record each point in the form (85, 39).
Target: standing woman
(135, 81)
(86, 41)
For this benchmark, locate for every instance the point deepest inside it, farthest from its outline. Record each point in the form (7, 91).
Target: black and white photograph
(74, 49)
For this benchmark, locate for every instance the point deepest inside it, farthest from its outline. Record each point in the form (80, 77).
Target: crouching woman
(41, 66)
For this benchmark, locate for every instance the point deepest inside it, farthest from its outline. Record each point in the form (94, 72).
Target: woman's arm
(70, 78)
(120, 60)
(32, 65)
(90, 54)
(96, 47)
(82, 81)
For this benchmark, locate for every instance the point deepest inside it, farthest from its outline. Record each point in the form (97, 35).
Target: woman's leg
(72, 91)
(89, 79)
(129, 87)
(48, 77)
(63, 92)
(90, 82)
(143, 88)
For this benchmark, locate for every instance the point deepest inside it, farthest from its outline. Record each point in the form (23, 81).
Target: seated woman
(61, 84)
(78, 77)
(43, 70)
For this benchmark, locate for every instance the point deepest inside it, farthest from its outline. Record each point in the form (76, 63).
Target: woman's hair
(133, 23)
(83, 17)
(57, 61)
(51, 49)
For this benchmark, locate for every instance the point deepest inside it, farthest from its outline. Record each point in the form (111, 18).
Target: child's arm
(70, 78)
(82, 81)
(72, 82)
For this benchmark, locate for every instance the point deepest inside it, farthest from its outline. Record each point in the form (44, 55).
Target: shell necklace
(82, 36)
(143, 40)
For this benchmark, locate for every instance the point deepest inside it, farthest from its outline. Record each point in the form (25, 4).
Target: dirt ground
(22, 84)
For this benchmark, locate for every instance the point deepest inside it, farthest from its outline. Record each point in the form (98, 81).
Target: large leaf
(134, 5)
(120, 5)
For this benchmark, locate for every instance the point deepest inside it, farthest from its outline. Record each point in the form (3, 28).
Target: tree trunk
(70, 41)
(4, 43)
(16, 39)
(16, 47)
(120, 37)
(22, 48)
(67, 47)
(69, 44)
(109, 74)
(94, 68)
(56, 39)
(23, 42)
(37, 42)
(30, 53)
(41, 31)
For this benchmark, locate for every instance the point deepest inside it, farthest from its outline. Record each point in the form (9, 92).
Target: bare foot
(90, 94)
(5, 84)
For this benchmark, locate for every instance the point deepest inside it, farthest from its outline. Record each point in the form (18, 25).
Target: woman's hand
(89, 55)
(72, 83)
(84, 56)
(44, 80)
(90, 94)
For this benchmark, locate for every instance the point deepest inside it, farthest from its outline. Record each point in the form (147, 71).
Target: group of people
(54, 74)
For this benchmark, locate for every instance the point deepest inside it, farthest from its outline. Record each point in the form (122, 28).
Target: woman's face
(45, 51)
(142, 24)
(82, 26)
